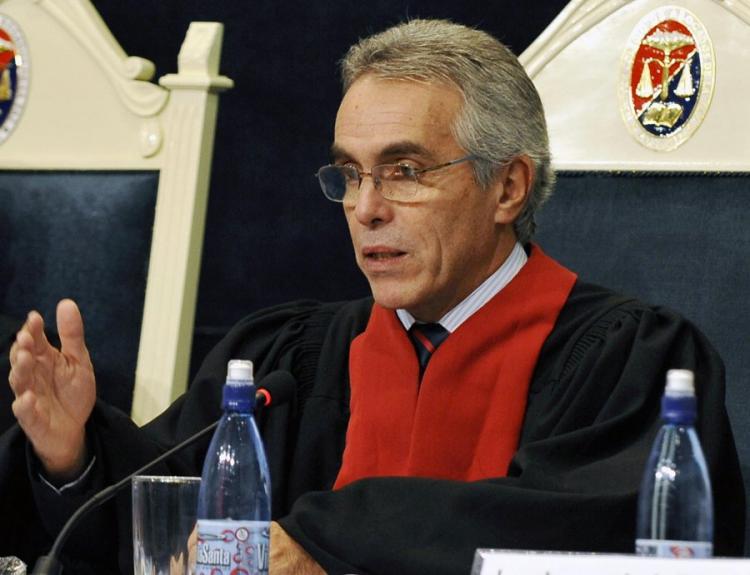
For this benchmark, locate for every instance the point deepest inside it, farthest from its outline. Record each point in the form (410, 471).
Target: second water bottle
(675, 505)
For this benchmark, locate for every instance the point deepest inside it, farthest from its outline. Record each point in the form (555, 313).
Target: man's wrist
(67, 467)
(74, 485)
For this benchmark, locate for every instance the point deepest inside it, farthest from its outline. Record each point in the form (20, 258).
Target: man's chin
(388, 303)
(390, 298)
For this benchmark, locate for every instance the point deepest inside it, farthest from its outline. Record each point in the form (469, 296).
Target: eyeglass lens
(391, 180)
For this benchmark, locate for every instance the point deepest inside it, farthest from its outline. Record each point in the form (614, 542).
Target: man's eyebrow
(338, 153)
(403, 148)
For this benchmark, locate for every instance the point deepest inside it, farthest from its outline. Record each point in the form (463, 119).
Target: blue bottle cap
(238, 396)
(679, 410)
(678, 406)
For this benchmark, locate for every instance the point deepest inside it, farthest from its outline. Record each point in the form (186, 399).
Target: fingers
(25, 410)
(13, 355)
(13, 352)
(22, 359)
(34, 328)
(30, 337)
(22, 406)
(30, 343)
(21, 373)
(32, 417)
(70, 329)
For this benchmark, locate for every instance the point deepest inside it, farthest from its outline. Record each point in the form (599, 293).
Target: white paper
(502, 562)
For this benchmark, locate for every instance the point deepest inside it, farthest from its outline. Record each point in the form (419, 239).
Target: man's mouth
(381, 253)
(384, 255)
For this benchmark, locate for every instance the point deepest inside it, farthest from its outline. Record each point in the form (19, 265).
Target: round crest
(14, 75)
(667, 78)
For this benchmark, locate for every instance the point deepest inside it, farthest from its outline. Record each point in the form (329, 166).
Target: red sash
(464, 420)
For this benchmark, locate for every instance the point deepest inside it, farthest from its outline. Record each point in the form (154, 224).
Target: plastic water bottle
(675, 506)
(234, 504)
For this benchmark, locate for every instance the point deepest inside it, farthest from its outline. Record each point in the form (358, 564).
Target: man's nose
(371, 207)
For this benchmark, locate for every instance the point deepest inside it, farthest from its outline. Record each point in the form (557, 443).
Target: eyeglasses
(399, 182)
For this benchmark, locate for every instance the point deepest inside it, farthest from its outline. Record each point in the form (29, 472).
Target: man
(528, 427)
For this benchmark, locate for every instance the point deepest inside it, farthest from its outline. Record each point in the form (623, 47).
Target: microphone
(277, 388)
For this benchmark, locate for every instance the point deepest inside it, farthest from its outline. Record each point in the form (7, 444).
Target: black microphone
(277, 388)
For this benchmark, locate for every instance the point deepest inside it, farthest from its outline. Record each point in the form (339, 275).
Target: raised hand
(55, 390)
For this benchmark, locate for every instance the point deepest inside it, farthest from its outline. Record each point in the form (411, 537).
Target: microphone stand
(49, 564)
(279, 384)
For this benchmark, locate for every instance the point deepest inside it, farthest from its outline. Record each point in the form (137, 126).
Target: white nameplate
(500, 562)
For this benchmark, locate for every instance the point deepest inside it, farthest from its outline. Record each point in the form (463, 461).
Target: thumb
(70, 329)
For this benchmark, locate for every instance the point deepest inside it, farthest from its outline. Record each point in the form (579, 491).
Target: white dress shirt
(488, 289)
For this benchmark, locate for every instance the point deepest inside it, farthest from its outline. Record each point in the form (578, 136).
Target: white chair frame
(121, 121)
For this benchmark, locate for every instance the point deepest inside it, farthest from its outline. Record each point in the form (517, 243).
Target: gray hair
(502, 116)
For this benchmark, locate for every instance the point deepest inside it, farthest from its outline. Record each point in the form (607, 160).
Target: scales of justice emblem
(14, 75)
(667, 78)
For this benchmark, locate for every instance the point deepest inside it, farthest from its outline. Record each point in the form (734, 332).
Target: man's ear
(512, 186)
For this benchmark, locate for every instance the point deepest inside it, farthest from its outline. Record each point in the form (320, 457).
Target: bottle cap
(240, 370)
(678, 406)
(239, 391)
(680, 382)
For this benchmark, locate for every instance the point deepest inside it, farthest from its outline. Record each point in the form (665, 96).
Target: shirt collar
(488, 289)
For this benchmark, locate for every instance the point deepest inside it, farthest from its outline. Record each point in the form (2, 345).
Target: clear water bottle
(675, 506)
(234, 504)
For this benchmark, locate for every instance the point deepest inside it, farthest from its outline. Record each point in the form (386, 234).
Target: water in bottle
(675, 506)
(234, 505)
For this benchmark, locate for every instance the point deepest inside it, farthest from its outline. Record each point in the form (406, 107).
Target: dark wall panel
(100, 221)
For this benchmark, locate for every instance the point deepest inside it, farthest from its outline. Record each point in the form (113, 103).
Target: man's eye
(395, 171)
(409, 164)
(404, 170)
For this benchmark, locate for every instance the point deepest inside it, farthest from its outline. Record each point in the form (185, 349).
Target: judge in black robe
(591, 417)
(593, 398)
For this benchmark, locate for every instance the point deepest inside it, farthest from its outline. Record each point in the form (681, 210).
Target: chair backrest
(103, 188)
(650, 133)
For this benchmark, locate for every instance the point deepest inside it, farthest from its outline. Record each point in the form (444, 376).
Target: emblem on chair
(667, 79)
(14, 75)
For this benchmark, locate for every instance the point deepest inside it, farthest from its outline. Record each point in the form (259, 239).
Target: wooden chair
(103, 187)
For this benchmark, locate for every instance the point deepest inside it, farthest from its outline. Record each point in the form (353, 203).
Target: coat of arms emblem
(14, 75)
(667, 78)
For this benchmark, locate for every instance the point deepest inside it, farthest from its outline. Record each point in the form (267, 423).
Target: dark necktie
(426, 338)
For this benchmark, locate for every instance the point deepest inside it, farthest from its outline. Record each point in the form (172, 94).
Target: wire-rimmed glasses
(398, 182)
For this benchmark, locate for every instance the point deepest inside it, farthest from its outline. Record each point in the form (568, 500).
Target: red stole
(464, 420)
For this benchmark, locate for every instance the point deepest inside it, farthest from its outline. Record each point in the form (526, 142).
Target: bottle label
(672, 548)
(226, 547)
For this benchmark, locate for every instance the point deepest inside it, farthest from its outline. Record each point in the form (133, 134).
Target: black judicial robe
(591, 416)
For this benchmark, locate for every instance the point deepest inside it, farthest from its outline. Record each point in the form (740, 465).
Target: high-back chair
(103, 186)
(649, 119)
